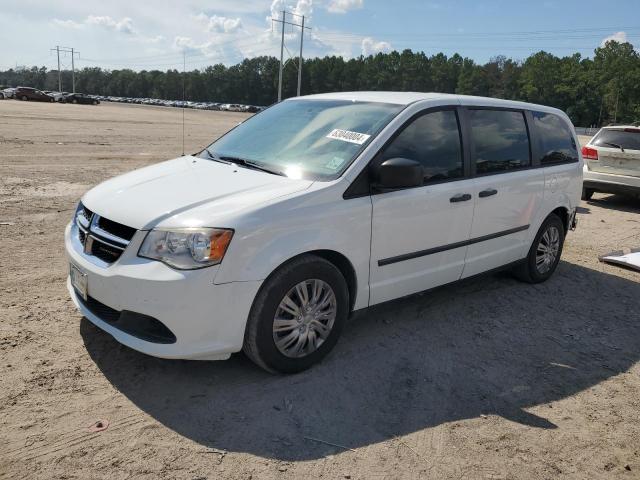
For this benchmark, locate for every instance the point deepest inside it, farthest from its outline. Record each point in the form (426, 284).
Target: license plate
(78, 280)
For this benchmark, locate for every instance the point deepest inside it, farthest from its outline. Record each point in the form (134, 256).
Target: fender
(315, 220)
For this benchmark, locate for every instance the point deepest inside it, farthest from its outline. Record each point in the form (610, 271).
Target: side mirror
(398, 173)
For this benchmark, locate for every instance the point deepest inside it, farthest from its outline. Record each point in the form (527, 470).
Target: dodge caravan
(269, 238)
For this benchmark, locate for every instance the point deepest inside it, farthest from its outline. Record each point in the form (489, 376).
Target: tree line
(593, 91)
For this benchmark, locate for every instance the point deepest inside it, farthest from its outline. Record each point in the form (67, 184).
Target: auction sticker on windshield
(348, 136)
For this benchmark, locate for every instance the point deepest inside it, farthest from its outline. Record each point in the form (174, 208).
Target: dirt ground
(489, 379)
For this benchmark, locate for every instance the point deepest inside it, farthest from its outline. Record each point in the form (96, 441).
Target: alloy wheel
(547, 249)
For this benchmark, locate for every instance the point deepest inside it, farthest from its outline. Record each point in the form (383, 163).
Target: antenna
(184, 74)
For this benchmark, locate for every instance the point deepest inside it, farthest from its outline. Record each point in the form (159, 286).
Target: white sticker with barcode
(348, 136)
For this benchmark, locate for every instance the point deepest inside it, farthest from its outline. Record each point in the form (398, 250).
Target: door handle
(487, 193)
(461, 197)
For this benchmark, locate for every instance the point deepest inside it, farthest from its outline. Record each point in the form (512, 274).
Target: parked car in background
(28, 93)
(57, 96)
(270, 237)
(612, 161)
(182, 104)
(80, 98)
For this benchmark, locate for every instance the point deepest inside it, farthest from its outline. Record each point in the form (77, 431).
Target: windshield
(629, 138)
(314, 139)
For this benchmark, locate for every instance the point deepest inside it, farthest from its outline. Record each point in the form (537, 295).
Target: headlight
(187, 248)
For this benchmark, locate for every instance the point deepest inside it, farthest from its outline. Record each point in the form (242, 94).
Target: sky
(146, 34)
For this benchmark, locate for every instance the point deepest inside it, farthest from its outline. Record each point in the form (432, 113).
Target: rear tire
(24, 98)
(587, 193)
(544, 254)
(314, 326)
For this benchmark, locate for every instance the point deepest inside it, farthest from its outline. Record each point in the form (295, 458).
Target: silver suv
(612, 161)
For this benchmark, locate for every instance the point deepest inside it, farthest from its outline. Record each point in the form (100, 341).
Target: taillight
(589, 153)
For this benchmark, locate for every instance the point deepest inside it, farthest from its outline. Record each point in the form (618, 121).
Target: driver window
(434, 141)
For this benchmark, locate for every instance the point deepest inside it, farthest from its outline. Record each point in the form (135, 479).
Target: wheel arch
(563, 213)
(559, 210)
(337, 259)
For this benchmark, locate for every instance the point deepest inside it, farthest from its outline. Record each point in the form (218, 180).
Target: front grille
(105, 252)
(116, 229)
(101, 237)
(86, 213)
(135, 324)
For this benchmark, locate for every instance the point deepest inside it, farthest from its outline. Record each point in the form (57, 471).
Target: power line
(177, 56)
(488, 34)
(205, 58)
(515, 36)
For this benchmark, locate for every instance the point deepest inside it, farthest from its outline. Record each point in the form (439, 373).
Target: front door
(419, 235)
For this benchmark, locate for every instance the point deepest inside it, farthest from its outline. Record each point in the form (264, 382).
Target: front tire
(544, 254)
(297, 316)
(24, 98)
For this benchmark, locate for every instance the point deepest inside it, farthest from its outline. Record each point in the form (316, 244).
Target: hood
(166, 192)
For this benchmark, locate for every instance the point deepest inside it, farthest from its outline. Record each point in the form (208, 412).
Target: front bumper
(610, 183)
(207, 320)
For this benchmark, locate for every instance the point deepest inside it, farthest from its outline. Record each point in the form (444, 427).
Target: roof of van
(406, 98)
(621, 127)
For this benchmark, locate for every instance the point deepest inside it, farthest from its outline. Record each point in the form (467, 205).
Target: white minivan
(268, 239)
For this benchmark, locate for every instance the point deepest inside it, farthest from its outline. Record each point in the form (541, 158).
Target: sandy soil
(489, 379)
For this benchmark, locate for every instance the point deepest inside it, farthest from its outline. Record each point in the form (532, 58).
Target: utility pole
(600, 116)
(300, 57)
(184, 73)
(284, 13)
(283, 21)
(73, 72)
(57, 50)
(73, 53)
(59, 73)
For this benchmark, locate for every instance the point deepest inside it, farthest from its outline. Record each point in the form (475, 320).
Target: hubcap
(304, 318)
(547, 250)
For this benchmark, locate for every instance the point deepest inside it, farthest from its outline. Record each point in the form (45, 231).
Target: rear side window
(558, 144)
(432, 140)
(628, 138)
(501, 140)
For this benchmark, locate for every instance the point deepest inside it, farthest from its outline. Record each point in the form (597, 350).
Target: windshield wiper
(251, 164)
(614, 145)
(214, 158)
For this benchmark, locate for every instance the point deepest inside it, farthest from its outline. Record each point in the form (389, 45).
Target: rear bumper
(610, 183)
